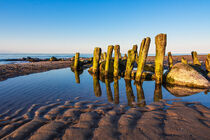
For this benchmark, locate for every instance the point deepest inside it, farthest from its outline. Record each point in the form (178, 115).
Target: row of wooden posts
(140, 59)
(160, 41)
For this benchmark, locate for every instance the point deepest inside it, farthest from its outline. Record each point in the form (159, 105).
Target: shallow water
(23, 91)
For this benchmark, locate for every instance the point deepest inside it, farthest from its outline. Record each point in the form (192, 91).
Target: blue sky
(69, 26)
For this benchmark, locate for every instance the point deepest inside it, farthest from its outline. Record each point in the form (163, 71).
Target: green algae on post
(96, 58)
(195, 58)
(160, 42)
(76, 61)
(142, 57)
(135, 47)
(116, 60)
(129, 64)
(170, 60)
(108, 58)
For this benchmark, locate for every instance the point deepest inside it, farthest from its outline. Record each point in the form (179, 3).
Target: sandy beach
(81, 120)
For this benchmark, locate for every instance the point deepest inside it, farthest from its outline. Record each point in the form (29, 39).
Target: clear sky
(69, 26)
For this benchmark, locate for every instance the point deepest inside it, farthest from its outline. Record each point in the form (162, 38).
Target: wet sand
(13, 70)
(81, 120)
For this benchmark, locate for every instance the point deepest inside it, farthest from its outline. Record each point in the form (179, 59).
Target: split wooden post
(96, 58)
(170, 60)
(116, 60)
(108, 58)
(195, 58)
(142, 58)
(129, 64)
(76, 61)
(160, 42)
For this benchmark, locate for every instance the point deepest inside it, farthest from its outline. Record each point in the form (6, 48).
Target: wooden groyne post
(170, 60)
(195, 58)
(116, 60)
(142, 57)
(160, 42)
(108, 58)
(129, 65)
(76, 61)
(96, 58)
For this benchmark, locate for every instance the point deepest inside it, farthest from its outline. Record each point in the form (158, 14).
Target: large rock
(185, 75)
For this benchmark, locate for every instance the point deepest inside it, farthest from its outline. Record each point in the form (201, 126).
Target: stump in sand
(140, 95)
(116, 60)
(158, 93)
(170, 60)
(195, 58)
(108, 58)
(129, 65)
(160, 42)
(142, 57)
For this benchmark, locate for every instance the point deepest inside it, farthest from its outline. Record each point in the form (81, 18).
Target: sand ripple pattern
(95, 120)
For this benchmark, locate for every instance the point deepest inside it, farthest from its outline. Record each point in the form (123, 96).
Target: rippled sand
(97, 120)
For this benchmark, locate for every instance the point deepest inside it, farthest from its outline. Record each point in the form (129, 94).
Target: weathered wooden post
(104, 56)
(116, 60)
(207, 63)
(170, 60)
(195, 58)
(108, 90)
(108, 58)
(129, 92)
(135, 48)
(129, 64)
(96, 85)
(184, 61)
(76, 61)
(116, 91)
(96, 58)
(158, 92)
(160, 42)
(142, 57)
(140, 95)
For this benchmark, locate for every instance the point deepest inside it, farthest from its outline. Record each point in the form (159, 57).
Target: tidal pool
(63, 84)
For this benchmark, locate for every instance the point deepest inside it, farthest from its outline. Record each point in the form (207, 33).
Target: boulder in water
(185, 75)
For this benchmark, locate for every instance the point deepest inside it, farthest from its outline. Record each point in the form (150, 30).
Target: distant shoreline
(14, 70)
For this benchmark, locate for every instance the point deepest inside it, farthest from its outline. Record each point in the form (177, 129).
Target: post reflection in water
(116, 91)
(158, 93)
(140, 95)
(129, 92)
(96, 85)
(108, 90)
(77, 76)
